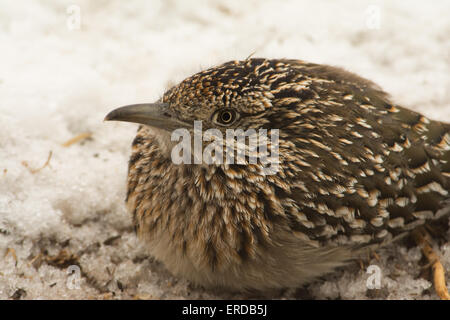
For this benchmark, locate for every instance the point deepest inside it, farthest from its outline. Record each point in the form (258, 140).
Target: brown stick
(33, 171)
(76, 139)
(423, 240)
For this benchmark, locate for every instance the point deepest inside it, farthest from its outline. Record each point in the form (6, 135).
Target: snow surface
(56, 84)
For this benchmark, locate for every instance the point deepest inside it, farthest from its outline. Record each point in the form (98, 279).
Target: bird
(355, 171)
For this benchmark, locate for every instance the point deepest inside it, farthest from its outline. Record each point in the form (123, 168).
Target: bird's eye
(225, 117)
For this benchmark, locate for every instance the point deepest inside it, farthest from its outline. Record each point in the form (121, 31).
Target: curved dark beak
(151, 114)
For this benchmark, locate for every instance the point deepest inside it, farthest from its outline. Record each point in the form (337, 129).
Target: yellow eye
(226, 117)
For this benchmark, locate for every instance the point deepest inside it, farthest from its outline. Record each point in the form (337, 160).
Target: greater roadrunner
(355, 171)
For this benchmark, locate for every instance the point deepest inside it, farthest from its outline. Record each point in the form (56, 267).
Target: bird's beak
(151, 114)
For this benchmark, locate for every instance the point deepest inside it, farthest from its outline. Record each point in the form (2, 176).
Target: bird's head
(236, 95)
(230, 96)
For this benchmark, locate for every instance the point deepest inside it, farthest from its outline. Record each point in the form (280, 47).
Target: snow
(58, 81)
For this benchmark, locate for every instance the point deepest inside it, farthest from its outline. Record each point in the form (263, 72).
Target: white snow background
(58, 81)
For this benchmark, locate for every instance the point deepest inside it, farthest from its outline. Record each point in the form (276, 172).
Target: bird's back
(367, 170)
